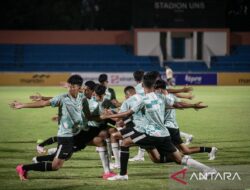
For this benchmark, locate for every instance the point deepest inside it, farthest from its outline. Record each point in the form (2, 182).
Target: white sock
(115, 149)
(109, 148)
(185, 135)
(188, 161)
(104, 158)
(141, 152)
(120, 142)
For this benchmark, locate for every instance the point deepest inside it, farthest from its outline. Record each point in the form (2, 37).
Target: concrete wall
(65, 37)
(88, 37)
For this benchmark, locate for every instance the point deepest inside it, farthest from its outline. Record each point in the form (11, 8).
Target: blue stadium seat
(239, 60)
(102, 58)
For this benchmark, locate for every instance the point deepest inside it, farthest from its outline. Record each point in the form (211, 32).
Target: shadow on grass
(222, 141)
(11, 150)
(13, 142)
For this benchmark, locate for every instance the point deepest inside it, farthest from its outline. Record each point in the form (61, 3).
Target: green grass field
(224, 124)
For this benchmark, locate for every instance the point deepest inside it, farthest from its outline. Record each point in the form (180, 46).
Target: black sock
(124, 160)
(48, 141)
(45, 158)
(205, 149)
(41, 166)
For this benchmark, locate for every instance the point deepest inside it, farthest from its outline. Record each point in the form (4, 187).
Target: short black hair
(75, 79)
(155, 74)
(128, 88)
(90, 84)
(138, 75)
(102, 78)
(160, 84)
(100, 89)
(148, 80)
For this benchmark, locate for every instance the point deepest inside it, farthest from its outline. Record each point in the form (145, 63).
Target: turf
(224, 124)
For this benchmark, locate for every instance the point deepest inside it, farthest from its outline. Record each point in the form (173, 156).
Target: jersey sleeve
(176, 99)
(112, 92)
(139, 105)
(85, 103)
(169, 100)
(56, 101)
(124, 107)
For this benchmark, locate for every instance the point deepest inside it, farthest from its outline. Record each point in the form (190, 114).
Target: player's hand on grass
(16, 105)
(36, 97)
(199, 105)
(55, 118)
(187, 88)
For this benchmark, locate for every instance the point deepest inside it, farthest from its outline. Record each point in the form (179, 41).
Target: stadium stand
(238, 61)
(108, 58)
(184, 66)
(103, 58)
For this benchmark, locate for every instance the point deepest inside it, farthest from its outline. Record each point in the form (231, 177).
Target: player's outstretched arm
(184, 89)
(39, 97)
(196, 106)
(111, 112)
(38, 104)
(189, 96)
(118, 115)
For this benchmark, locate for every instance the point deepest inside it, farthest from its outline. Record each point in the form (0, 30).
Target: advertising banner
(234, 79)
(196, 79)
(32, 79)
(114, 79)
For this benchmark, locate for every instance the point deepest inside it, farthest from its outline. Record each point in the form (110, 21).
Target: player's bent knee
(103, 134)
(98, 141)
(112, 130)
(117, 135)
(56, 165)
(127, 142)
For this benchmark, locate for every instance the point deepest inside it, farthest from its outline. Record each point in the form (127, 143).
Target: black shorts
(65, 148)
(84, 137)
(162, 144)
(105, 126)
(175, 136)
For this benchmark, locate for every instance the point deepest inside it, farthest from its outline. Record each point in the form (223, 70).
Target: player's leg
(139, 156)
(92, 137)
(40, 147)
(154, 155)
(64, 152)
(45, 158)
(177, 141)
(179, 158)
(191, 150)
(115, 147)
(124, 156)
(188, 137)
(124, 152)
